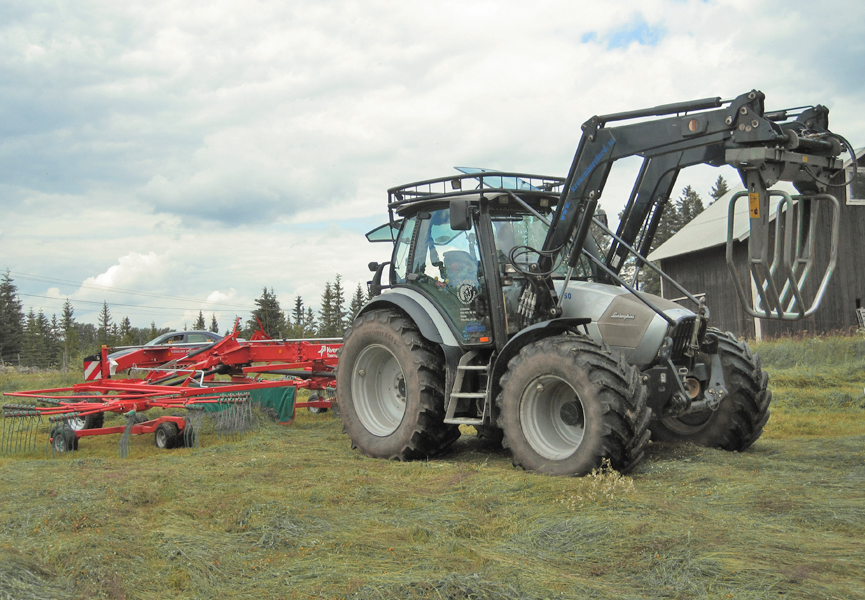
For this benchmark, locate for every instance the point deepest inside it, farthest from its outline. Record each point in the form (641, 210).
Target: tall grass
(818, 385)
(294, 512)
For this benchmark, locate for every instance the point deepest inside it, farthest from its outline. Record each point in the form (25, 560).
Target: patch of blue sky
(638, 30)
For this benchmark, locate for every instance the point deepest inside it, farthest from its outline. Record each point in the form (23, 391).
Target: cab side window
(447, 266)
(401, 251)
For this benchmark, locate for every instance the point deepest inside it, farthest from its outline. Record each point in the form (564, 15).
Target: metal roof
(709, 228)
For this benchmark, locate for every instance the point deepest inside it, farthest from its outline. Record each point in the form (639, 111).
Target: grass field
(293, 512)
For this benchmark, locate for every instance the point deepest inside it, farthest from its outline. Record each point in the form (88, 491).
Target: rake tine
(28, 432)
(8, 433)
(22, 433)
(3, 433)
(11, 430)
(16, 442)
(193, 424)
(127, 433)
(66, 419)
(31, 430)
(37, 423)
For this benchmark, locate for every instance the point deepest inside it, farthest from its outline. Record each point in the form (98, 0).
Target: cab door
(446, 266)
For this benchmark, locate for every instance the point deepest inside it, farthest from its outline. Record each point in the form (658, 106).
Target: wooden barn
(696, 258)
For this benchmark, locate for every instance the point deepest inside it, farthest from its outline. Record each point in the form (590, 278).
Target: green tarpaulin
(278, 399)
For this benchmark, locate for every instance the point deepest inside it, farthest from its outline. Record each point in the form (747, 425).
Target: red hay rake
(173, 377)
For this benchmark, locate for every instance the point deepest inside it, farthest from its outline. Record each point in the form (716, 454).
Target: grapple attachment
(778, 277)
(783, 244)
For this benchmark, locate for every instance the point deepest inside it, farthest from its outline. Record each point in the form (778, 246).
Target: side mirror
(375, 286)
(460, 214)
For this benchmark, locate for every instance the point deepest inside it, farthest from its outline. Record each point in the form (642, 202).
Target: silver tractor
(500, 310)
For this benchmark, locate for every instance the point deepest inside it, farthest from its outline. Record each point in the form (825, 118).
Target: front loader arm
(601, 146)
(764, 147)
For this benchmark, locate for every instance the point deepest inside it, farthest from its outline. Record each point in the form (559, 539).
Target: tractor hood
(621, 320)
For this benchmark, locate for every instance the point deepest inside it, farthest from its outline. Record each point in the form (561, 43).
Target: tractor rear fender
(424, 313)
(528, 335)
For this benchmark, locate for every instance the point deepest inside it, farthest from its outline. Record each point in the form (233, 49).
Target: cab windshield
(519, 237)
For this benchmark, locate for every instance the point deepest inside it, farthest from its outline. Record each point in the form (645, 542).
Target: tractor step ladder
(457, 394)
(777, 287)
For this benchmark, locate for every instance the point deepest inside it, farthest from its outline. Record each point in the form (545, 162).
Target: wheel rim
(58, 441)
(76, 423)
(552, 417)
(161, 438)
(378, 390)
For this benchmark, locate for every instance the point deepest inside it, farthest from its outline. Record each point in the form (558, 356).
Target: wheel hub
(572, 414)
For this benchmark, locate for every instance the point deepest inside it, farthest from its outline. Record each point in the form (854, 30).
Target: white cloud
(237, 145)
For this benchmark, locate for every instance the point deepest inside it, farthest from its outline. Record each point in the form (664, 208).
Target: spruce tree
(297, 312)
(199, 322)
(104, 330)
(31, 346)
(214, 326)
(70, 333)
(55, 341)
(269, 314)
(11, 320)
(719, 189)
(127, 336)
(294, 320)
(309, 324)
(339, 315)
(357, 302)
(689, 206)
(325, 312)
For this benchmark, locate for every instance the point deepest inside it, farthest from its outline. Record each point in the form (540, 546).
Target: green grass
(818, 386)
(294, 512)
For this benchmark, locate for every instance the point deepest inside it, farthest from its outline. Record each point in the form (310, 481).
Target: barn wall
(705, 271)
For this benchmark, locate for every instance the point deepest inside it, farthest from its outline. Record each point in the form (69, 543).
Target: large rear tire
(741, 416)
(567, 403)
(391, 389)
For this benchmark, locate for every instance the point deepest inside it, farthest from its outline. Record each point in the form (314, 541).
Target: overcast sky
(170, 157)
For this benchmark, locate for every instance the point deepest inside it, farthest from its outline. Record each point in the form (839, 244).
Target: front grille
(682, 333)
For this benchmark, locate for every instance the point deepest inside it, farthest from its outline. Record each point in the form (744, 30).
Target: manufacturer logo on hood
(624, 317)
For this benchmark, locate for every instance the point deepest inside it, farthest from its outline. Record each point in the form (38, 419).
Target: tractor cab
(469, 249)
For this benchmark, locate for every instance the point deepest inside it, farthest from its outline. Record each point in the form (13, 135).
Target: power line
(210, 310)
(43, 278)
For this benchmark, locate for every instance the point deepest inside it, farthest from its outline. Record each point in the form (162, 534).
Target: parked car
(193, 339)
(185, 337)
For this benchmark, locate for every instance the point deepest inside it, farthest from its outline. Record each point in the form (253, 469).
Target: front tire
(391, 396)
(167, 436)
(741, 416)
(63, 438)
(567, 403)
